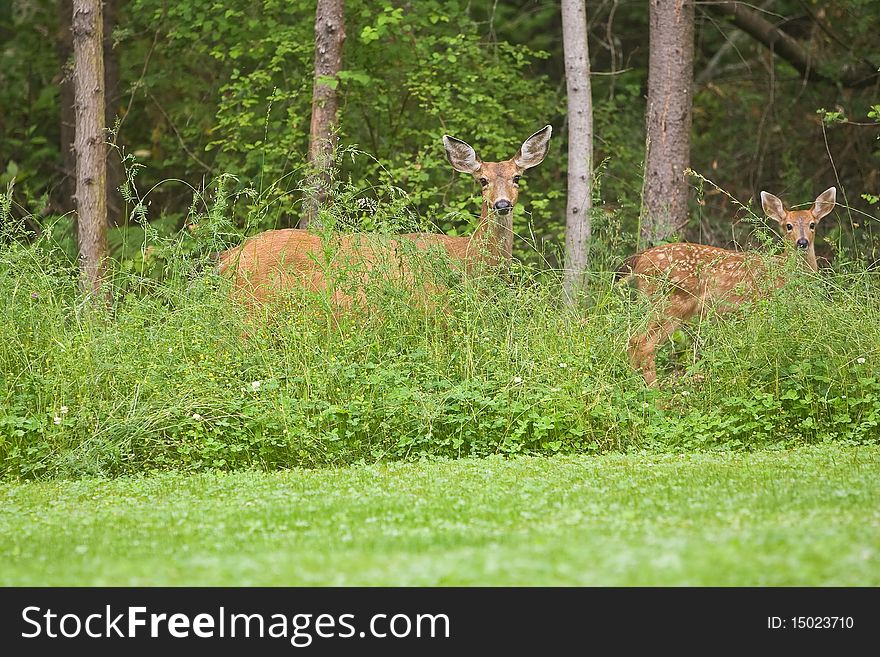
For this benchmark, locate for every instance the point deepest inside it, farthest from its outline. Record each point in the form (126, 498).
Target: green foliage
(29, 121)
(176, 376)
(173, 377)
(218, 87)
(770, 518)
(408, 77)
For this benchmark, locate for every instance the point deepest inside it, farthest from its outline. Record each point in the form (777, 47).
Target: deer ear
(824, 203)
(533, 149)
(460, 155)
(773, 207)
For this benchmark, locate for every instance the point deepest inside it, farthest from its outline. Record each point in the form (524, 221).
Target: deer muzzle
(503, 206)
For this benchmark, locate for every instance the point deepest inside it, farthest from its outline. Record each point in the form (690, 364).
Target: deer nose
(802, 243)
(503, 206)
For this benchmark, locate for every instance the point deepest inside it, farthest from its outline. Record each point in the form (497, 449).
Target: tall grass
(176, 376)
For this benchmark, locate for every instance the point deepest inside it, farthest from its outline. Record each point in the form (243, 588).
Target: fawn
(686, 279)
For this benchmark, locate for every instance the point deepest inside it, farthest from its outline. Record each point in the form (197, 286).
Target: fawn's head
(799, 226)
(499, 180)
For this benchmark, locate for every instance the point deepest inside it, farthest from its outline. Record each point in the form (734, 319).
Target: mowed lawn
(804, 517)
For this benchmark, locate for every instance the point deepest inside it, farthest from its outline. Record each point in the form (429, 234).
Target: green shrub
(175, 376)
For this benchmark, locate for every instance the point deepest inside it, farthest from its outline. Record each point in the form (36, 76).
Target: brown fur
(684, 279)
(295, 258)
(301, 259)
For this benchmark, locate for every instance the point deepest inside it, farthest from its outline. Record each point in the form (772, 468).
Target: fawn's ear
(824, 203)
(773, 207)
(461, 155)
(533, 149)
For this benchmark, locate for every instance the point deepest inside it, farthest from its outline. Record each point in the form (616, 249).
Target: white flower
(196, 416)
(860, 361)
(255, 385)
(563, 365)
(685, 393)
(56, 419)
(170, 350)
(64, 410)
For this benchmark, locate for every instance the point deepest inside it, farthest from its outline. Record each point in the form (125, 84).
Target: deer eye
(516, 180)
(484, 182)
(788, 227)
(812, 225)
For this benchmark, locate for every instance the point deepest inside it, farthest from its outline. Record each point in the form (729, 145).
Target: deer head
(799, 226)
(499, 180)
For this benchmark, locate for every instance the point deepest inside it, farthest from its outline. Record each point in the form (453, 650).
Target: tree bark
(91, 152)
(329, 37)
(787, 47)
(580, 146)
(670, 79)
(64, 200)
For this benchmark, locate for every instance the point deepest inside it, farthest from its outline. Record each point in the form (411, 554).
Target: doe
(296, 257)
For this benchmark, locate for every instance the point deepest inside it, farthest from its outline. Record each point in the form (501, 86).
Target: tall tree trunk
(329, 37)
(65, 197)
(670, 80)
(580, 146)
(91, 153)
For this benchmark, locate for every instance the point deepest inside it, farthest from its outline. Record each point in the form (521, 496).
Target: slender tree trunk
(91, 153)
(64, 200)
(580, 146)
(670, 79)
(329, 37)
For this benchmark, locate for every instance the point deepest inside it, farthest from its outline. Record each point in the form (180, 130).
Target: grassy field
(809, 516)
